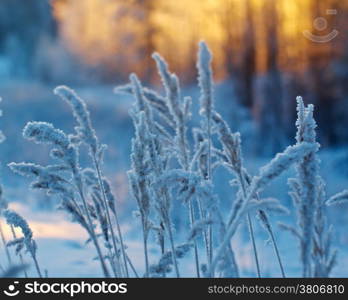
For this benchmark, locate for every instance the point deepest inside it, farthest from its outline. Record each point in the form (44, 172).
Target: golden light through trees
(122, 34)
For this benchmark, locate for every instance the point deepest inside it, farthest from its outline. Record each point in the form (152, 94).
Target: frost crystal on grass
(85, 130)
(282, 162)
(308, 194)
(205, 78)
(307, 178)
(45, 133)
(231, 143)
(341, 197)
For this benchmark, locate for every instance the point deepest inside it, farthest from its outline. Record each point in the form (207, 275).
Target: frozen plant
(323, 257)
(169, 168)
(50, 179)
(85, 194)
(280, 163)
(99, 214)
(156, 148)
(232, 159)
(304, 191)
(157, 161)
(174, 111)
(20, 245)
(179, 111)
(86, 134)
(194, 180)
(14, 219)
(309, 197)
(139, 183)
(205, 80)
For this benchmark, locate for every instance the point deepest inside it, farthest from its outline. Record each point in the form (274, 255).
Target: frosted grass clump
(267, 173)
(309, 197)
(306, 190)
(86, 134)
(71, 189)
(165, 167)
(149, 146)
(84, 193)
(173, 176)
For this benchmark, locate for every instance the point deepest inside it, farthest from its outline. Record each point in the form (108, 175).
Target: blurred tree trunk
(268, 106)
(232, 40)
(239, 49)
(248, 64)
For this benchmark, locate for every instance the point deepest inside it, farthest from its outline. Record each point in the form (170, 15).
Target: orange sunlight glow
(122, 34)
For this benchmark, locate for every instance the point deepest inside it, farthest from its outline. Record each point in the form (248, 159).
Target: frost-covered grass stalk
(309, 197)
(99, 214)
(304, 189)
(205, 80)
(3, 207)
(14, 219)
(139, 182)
(207, 110)
(324, 258)
(232, 158)
(18, 251)
(273, 169)
(200, 158)
(179, 110)
(157, 161)
(86, 133)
